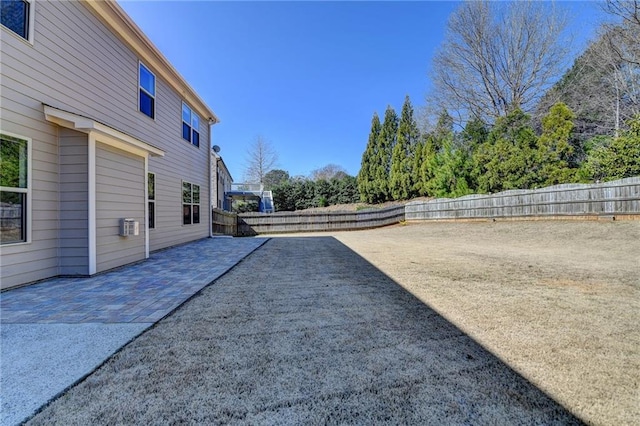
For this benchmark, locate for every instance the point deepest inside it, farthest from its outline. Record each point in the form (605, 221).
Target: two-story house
(96, 126)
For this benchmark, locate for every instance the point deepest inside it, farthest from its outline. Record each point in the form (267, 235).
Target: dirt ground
(558, 301)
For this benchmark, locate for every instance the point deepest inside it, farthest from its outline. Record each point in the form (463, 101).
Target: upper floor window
(14, 188)
(190, 125)
(147, 91)
(17, 15)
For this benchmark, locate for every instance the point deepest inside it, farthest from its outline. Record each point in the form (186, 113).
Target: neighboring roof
(109, 135)
(121, 24)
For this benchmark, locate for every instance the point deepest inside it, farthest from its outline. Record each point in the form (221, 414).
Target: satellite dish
(216, 148)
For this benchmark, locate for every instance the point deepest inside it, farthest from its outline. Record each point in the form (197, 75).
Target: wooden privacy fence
(225, 223)
(617, 198)
(282, 222)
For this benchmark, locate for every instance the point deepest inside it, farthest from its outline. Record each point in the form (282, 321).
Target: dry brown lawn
(558, 301)
(430, 323)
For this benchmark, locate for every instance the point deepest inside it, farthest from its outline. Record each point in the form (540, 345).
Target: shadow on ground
(304, 331)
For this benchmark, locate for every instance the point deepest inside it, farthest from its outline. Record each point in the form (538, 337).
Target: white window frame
(192, 128)
(192, 203)
(155, 90)
(152, 202)
(31, 23)
(28, 190)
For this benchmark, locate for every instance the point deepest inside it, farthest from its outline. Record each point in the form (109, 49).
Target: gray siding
(119, 194)
(23, 263)
(74, 198)
(77, 64)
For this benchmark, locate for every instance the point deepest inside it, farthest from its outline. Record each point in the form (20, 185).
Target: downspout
(209, 151)
(218, 183)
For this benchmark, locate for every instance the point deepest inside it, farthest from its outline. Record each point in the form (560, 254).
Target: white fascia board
(104, 133)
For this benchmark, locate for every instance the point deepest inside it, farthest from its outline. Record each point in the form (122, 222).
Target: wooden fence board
(621, 197)
(285, 222)
(611, 200)
(224, 223)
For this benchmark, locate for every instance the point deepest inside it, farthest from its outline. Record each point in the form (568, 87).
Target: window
(14, 188)
(147, 91)
(190, 203)
(17, 16)
(190, 125)
(151, 199)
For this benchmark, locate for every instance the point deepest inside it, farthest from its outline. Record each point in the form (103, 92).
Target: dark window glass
(15, 16)
(151, 186)
(147, 104)
(190, 203)
(186, 131)
(186, 214)
(13, 207)
(196, 213)
(195, 124)
(186, 192)
(13, 162)
(152, 215)
(196, 194)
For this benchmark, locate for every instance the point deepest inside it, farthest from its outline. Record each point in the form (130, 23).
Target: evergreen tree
(444, 126)
(450, 171)
(475, 134)
(365, 176)
(274, 178)
(401, 179)
(382, 161)
(418, 159)
(620, 158)
(507, 160)
(554, 146)
(344, 190)
(429, 149)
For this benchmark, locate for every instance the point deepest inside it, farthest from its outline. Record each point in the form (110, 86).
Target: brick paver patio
(55, 332)
(143, 292)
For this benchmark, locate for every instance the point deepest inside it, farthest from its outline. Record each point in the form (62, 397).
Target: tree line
(329, 185)
(500, 122)
(400, 162)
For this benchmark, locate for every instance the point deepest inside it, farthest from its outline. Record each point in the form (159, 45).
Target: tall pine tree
(365, 176)
(430, 147)
(381, 166)
(401, 176)
(418, 160)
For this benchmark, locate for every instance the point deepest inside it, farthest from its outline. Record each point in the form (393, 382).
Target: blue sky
(307, 76)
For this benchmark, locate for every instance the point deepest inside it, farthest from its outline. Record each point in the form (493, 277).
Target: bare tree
(497, 57)
(261, 159)
(600, 88)
(623, 36)
(622, 75)
(328, 172)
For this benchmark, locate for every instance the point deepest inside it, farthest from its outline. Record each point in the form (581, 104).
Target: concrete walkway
(56, 332)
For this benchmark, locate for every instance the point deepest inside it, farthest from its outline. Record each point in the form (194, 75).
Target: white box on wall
(129, 227)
